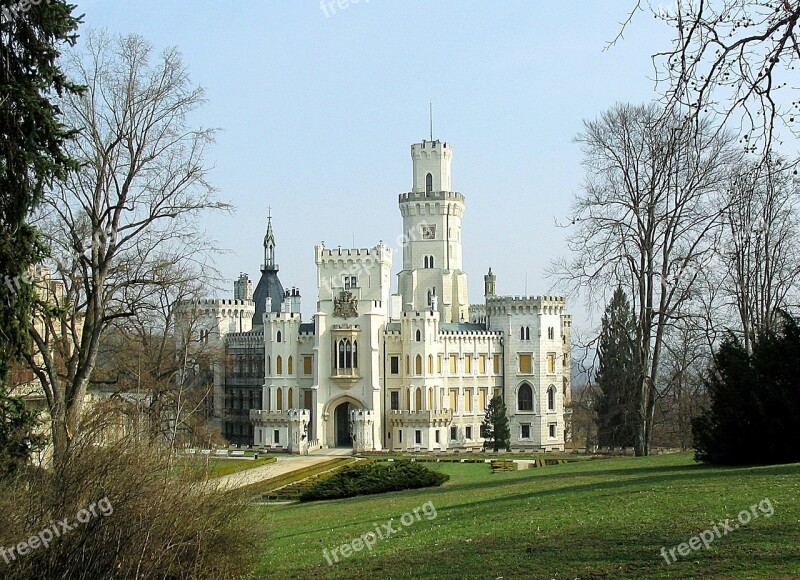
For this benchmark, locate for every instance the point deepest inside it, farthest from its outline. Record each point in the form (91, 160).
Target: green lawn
(589, 519)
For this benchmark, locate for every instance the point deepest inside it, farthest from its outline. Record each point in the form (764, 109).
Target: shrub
(159, 521)
(374, 477)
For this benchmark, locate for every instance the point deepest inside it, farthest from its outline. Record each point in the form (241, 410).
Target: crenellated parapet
(505, 305)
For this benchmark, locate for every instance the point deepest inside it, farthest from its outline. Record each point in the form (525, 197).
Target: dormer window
(428, 183)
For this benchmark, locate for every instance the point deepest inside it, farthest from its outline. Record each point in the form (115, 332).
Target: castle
(414, 370)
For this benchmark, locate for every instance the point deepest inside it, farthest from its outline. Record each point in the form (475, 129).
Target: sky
(318, 106)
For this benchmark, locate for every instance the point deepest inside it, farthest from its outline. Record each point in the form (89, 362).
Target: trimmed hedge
(374, 477)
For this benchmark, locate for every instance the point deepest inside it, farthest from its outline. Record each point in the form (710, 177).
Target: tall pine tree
(32, 156)
(617, 375)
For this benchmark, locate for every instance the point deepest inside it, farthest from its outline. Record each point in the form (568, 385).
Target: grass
(588, 519)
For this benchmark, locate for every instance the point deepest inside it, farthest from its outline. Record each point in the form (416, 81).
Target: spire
(269, 245)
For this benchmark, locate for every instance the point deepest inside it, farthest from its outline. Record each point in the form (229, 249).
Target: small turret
(490, 284)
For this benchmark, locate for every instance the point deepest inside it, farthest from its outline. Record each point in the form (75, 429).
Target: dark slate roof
(308, 327)
(269, 286)
(461, 327)
(393, 327)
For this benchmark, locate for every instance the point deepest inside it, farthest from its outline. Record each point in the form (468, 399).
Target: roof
(461, 327)
(269, 286)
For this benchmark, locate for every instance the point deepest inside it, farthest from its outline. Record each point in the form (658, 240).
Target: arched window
(425, 261)
(522, 333)
(430, 262)
(279, 337)
(279, 398)
(525, 398)
(430, 364)
(418, 365)
(348, 354)
(418, 400)
(428, 183)
(408, 365)
(430, 298)
(290, 399)
(527, 333)
(279, 366)
(418, 336)
(290, 365)
(355, 354)
(551, 398)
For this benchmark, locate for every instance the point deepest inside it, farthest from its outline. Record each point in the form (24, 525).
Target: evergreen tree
(754, 401)
(617, 375)
(494, 428)
(32, 156)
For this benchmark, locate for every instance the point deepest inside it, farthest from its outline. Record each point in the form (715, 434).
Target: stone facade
(374, 370)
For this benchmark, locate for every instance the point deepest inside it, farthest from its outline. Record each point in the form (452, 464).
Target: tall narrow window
(355, 354)
(348, 354)
(279, 366)
(527, 333)
(278, 337)
(418, 365)
(551, 333)
(551, 398)
(522, 333)
(279, 400)
(428, 183)
(418, 336)
(340, 365)
(290, 365)
(430, 364)
(418, 400)
(525, 398)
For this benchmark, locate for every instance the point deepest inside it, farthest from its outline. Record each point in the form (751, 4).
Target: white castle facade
(373, 370)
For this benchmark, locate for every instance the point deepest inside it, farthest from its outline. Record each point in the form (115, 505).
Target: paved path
(284, 465)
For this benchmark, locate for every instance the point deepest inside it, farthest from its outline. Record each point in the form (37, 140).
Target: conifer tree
(494, 429)
(617, 375)
(32, 156)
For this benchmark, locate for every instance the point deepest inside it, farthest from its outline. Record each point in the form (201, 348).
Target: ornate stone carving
(346, 305)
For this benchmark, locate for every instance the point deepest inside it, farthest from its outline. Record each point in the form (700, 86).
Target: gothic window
(279, 366)
(418, 336)
(279, 400)
(551, 398)
(348, 354)
(418, 400)
(430, 298)
(340, 351)
(525, 398)
(428, 183)
(425, 261)
(418, 364)
(355, 354)
(290, 365)
(522, 333)
(527, 333)
(430, 364)
(278, 337)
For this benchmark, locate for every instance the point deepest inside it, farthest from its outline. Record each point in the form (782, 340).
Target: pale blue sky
(318, 114)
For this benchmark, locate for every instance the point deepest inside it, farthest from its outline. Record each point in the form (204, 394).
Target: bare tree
(118, 225)
(648, 219)
(159, 379)
(761, 256)
(735, 59)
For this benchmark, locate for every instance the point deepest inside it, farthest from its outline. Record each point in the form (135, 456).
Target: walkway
(284, 464)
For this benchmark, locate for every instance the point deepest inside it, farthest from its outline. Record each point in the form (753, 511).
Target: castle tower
(432, 277)
(489, 284)
(269, 294)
